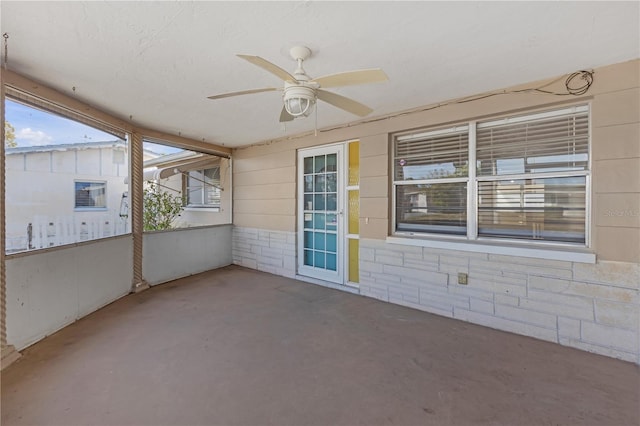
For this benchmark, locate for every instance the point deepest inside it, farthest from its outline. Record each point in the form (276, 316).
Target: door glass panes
(308, 165)
(320, 200)
(319, 182)
(332, 162)
(332, 222)
(332, 201)
(308, 184)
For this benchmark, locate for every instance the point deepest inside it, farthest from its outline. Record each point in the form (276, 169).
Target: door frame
(325, 275)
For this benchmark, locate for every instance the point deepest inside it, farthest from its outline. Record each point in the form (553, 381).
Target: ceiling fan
(300, 91)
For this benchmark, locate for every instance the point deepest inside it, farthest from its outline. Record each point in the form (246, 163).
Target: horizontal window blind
(550, 209)
(432, 157)
(546, 144)
(90, 194)
(436, 207)
(48, 106)
(203, 187)
(530, 181)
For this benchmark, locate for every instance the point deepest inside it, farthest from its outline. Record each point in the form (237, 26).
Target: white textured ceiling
(158, 61)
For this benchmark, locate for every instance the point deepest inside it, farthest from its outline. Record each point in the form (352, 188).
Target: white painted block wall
(268, 251)
(594, 307)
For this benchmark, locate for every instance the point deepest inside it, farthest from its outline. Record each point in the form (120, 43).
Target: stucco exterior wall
(42, 184)
(602, 319)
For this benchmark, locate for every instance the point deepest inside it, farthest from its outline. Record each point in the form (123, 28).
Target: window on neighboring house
(66, 175)
(203, 188)
(518, 178)
(90, 195)
(184, 187)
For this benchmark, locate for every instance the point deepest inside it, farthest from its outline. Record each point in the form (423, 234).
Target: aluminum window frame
(473, 180)
(408, 137)
(90, 208)
(202, 186)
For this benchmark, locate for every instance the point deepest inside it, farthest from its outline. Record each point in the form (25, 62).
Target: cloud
(30, 137)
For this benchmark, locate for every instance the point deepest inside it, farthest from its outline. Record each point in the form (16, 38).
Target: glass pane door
(320, 212)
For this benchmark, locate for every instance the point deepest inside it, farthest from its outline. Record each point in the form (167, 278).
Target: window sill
(90, 209)
(202, 209)
(537, 251)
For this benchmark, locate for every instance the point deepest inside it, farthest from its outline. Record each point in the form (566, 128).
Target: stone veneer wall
(264, 250)
(591, 307)
(586, 306)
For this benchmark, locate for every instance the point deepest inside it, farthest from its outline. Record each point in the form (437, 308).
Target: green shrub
(160, 208)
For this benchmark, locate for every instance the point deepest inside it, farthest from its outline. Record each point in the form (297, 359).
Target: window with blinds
(541, 161)
(90, 195)
(431, 172)
(203, 188)
(546, 143)
(527, 177)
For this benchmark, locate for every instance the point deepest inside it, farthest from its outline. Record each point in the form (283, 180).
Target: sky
(34, 127)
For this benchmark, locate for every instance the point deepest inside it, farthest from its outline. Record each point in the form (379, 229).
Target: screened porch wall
(52, 288)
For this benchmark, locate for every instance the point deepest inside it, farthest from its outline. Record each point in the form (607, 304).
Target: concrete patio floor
(240, 347)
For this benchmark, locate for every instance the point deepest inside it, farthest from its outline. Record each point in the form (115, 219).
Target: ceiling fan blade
(285, 116)
(242, 92)
(344, 103)
(349, 78)
(266, 65)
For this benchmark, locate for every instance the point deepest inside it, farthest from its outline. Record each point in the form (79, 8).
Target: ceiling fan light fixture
(299, 107)
(301, 92)
(299, 100)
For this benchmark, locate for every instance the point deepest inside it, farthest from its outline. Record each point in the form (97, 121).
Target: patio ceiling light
(299, 100)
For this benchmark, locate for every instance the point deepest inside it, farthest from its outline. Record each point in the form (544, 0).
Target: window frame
(89, 208)
(472, 237)
(462, 129)
(202, 185)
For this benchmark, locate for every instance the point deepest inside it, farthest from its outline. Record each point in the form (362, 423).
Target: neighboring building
(199, 179)
(60, 194)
